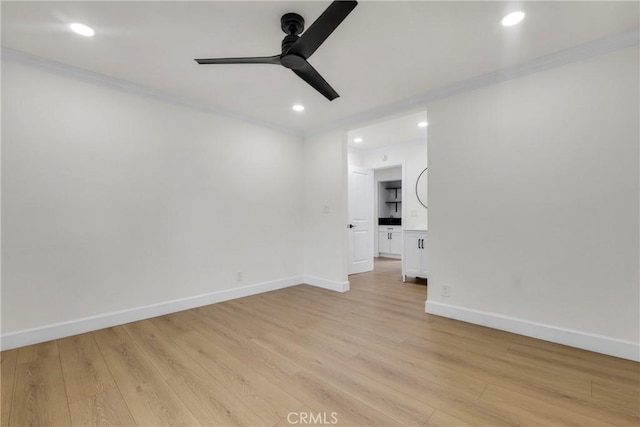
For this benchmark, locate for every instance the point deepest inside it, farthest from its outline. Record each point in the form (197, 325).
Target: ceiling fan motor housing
(293, 61)
(292, 24)
(287, 41)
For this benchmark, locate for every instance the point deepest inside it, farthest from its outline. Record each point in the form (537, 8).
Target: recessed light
(423, 124)
(298, 108)
(357, 140)
(513, 18)
(83, 30)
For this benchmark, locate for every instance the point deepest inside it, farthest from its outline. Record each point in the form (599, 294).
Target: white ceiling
(392, 131)
(383, 53)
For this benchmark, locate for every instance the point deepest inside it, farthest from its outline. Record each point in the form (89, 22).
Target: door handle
(351, 226)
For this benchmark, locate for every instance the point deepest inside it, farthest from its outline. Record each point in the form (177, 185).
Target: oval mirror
(421, 187)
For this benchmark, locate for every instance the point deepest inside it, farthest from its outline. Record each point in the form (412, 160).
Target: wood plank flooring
(304, 356)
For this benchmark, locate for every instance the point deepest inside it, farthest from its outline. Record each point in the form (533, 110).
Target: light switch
(325, 209)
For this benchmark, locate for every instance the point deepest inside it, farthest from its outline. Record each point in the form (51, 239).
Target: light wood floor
(371, 356)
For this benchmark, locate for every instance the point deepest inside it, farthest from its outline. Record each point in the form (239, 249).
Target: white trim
(576, 53)
(592, 342)
(66, 70)
(93, 323)
(567, 56)
(327, 284)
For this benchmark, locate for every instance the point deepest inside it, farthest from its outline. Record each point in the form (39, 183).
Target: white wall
(325, 234)
(533, 198)
(355, 157)
(413, 156)
(112, 201)
(389, 174)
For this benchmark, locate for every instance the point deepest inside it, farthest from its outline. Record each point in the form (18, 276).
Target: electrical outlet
(239, 276)
(446, 290)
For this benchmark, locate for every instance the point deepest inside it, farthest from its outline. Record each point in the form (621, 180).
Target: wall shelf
(396, 203)
(394, 188)
(389, 198)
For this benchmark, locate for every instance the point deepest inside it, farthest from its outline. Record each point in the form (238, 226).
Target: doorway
(388, 212)
(395, 150)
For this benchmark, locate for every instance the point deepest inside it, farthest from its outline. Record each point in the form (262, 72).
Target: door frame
(403, 165)
(403, 176)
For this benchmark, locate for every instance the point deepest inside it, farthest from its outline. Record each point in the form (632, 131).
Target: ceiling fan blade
(322, 28)
(311, 76)
(250, 60)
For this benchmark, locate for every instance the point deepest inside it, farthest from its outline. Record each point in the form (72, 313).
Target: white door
(384, 246)
(412, 256)
(360, 220)
(395, 243)
(425, 258)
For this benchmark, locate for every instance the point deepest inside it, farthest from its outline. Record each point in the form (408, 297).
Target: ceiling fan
(297, 49)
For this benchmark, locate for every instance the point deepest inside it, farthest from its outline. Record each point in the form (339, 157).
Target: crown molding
(65, 70)
(574, 54)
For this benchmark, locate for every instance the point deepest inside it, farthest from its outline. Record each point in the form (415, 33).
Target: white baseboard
(592, 342)
(93, 323)
(326, 284)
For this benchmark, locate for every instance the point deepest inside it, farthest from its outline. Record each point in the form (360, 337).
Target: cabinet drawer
(390, 228)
